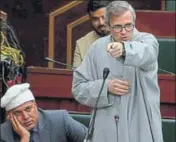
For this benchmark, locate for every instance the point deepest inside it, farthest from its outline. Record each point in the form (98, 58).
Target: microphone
(105, 73)
(116, 118)
(90, 131)
(59, 63)
(166, 71)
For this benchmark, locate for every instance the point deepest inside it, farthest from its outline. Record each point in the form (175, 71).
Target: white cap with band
(16, 96)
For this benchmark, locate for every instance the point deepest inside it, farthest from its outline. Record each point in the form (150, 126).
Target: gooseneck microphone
(165, 71)
(105, 73)
(59, 63)
(90, 131)
(73, 68)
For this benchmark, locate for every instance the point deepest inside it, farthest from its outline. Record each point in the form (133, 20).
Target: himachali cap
(16, 95)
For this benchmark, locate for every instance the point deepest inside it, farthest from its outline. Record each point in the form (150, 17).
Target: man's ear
(8, 115)
(35, 104)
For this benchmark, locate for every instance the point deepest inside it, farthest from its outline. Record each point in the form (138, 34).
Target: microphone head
(105, 73)
(47, 58)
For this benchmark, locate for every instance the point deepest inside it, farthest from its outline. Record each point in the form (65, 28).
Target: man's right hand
(118, 87)
(18, 128)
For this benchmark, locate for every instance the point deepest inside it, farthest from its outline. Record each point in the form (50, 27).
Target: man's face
(98, 22)
(117, 22)
(26, 114)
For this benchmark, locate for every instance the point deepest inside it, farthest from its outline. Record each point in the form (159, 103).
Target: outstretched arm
(143, 53)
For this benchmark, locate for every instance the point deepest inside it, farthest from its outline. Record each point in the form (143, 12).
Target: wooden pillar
(163, 5)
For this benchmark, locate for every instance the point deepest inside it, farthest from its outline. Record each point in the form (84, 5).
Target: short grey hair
(118, 8)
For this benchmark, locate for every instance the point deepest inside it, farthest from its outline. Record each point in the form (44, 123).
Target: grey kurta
(139, 110)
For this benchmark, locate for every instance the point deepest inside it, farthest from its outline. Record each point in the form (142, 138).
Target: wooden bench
(166, 58)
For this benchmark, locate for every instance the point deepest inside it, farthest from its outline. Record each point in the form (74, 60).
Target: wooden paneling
(167, 88)
(51, 83)
(52, 89)
(159, 23)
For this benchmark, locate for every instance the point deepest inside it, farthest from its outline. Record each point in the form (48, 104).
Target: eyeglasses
(118, 28)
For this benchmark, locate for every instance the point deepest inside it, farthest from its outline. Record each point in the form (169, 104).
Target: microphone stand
(73, 68)
(89, 134)
(59, 63)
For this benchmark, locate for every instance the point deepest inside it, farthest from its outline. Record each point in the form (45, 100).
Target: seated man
(25, 122)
